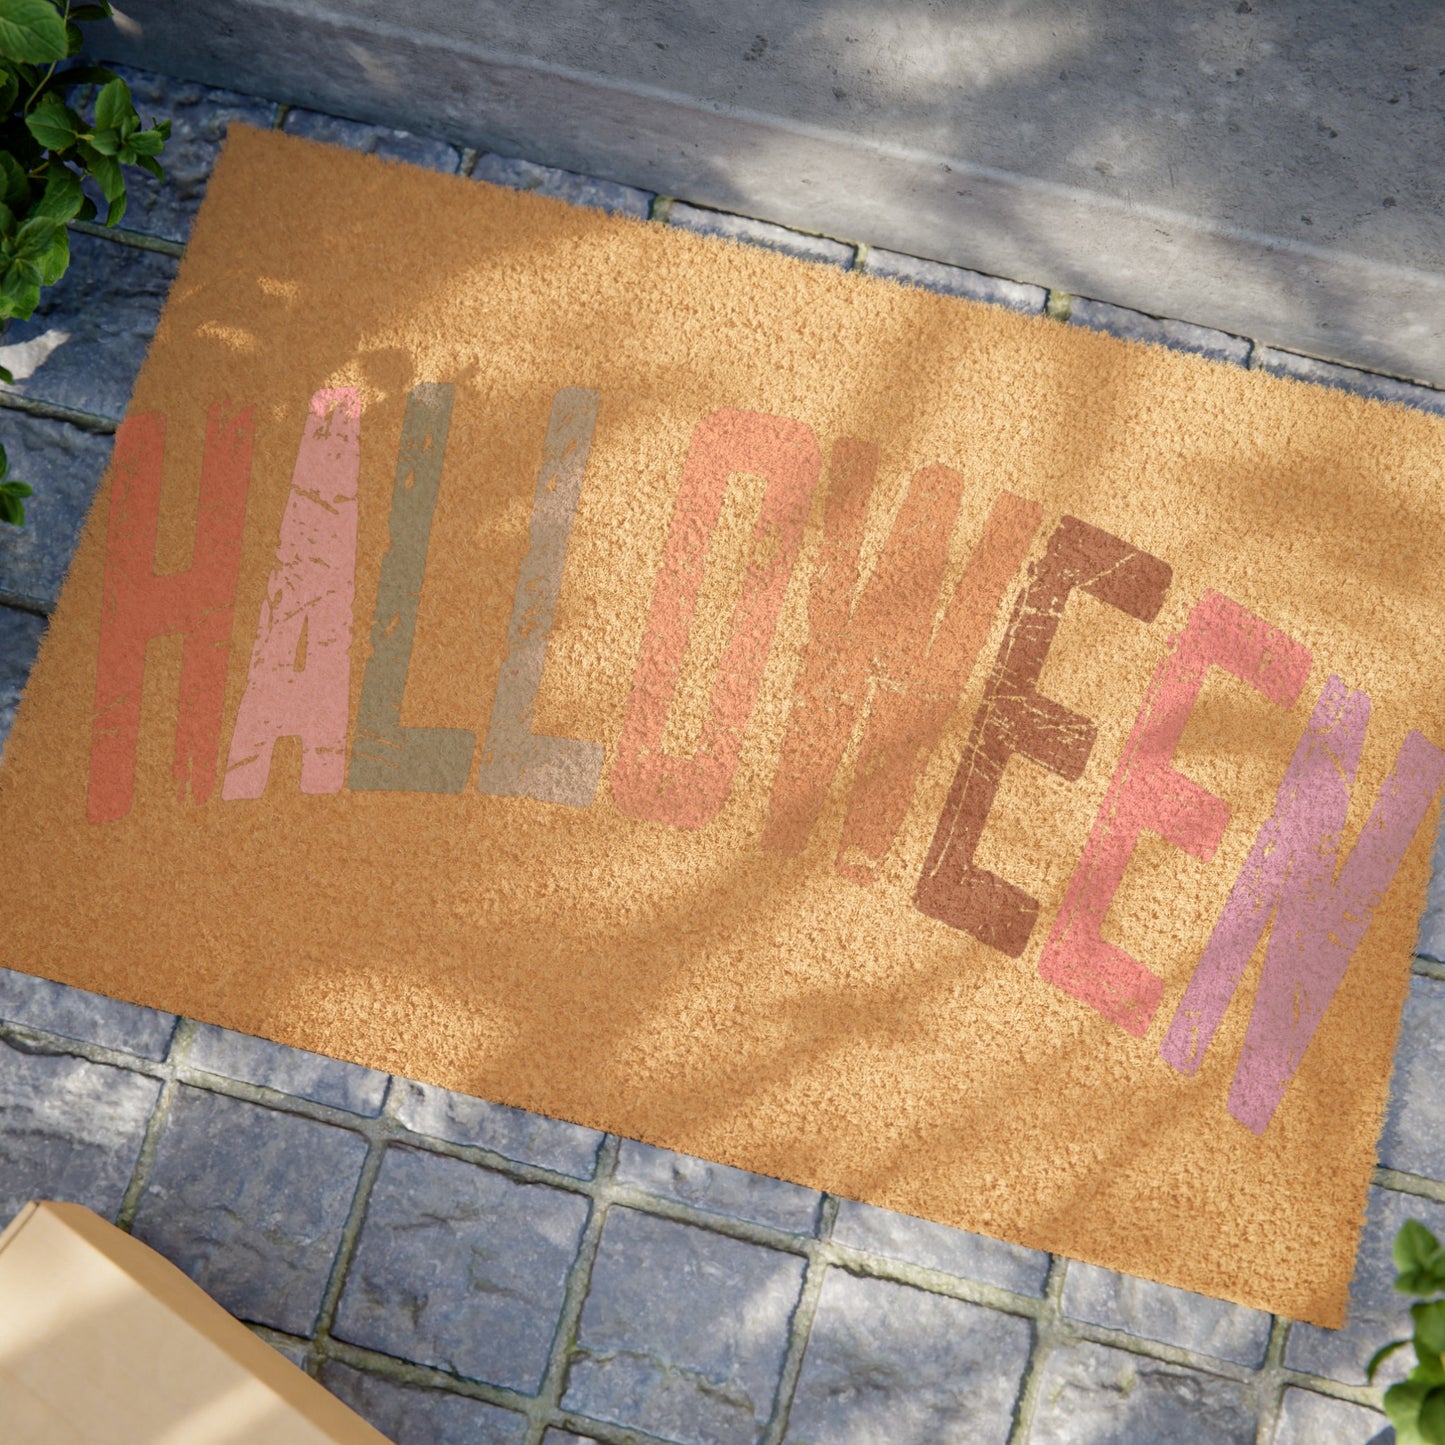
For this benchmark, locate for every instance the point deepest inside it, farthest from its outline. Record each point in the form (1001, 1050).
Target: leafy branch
(47, 150)
(1416, 1406)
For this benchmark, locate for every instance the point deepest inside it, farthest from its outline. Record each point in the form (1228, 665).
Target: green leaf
(31, 30)
(1381, 1355)
(1432, 1417)
(1414, 1245)
(1420, 1260)
(11, 511)
(1402, 1405)
(56, 259)
(91, 12)
(107, 142)
(74, 39)
(14, 187)
(106, 172)
(63, 196)
(147, 142)
(9, 90)
(13, 488)
(1424, 1280)
(7, 221)
(116, 211)
(4, 462)
(87, 210)
(1429, 1326)
(53, 123)
(18, 302)
(112, 105)
(35, 237)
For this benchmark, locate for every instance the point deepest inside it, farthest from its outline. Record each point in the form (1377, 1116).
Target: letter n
(137, 605)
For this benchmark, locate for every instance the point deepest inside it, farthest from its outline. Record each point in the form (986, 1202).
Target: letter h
(137, 605)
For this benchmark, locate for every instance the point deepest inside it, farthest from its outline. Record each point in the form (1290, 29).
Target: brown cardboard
(849, 733)
(104, 1342)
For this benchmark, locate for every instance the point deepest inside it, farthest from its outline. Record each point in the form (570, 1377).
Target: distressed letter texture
(386, 756)
(517, 762)
(1320, 914)
(1148, 792)
(688, 792)
(299, 684)
(890, 654)
(1015, 719)
(137, 605)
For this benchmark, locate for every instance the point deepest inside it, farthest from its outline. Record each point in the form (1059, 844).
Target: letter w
(1319, 919)
(886, 655)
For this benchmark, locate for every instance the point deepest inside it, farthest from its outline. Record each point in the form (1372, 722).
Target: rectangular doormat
(935, 755)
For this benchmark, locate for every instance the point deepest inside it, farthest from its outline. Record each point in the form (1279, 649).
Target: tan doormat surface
(935, 755)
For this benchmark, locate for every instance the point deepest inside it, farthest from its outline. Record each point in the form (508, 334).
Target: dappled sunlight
(671, 978)
(24, 358)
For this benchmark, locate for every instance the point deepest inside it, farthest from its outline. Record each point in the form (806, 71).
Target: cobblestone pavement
(462, 1272)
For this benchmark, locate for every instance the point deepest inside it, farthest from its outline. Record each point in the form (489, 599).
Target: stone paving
(466, 1274)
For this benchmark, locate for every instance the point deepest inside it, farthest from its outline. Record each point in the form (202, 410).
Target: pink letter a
(307, 612)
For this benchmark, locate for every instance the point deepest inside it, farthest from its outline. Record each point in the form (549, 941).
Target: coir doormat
(935, 755)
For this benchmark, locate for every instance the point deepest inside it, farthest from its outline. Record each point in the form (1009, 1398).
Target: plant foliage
(1416, 1406)
(47, 150)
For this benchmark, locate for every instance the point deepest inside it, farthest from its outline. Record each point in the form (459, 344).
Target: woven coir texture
(935, 755)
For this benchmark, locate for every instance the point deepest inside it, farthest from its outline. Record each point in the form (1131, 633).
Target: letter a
(306, 614)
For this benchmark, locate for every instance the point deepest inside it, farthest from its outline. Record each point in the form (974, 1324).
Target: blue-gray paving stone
(1306, 1418)
(1178, 335)
(1431, 939)
(1414, 1136)
(936, 1246)
(1104, 1396)
(887, 1362)
(414, 1415)
(718, 1187)
(1159, 1312)
(376, 140)
(1346, 378)
(760, 233)
(291, 1071)
(69, 1130)
(289, 1350)
(461, 1268)
(199, 117)
(513, 1133)
(566, 1437)
(520, 175)
(953, 280)
(683, 1332)
(64, 465)
(20, 634)
(89, 334)
(1378, 1313)
(74, 1013)
(250, 1202)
